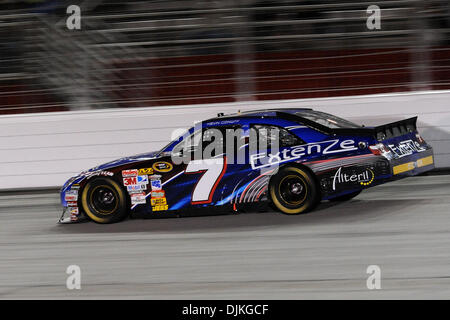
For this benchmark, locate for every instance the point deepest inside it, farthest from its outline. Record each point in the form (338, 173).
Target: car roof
(259, 113)
(290, 114)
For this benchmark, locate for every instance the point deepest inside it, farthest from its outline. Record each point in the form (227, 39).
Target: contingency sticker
(162, 166)
(159, 201)
(137, 198)
(136, 188)
(159, 204)
(129, 173)
(155, 182)
(71, 195)
(144, 171)
(142, 179)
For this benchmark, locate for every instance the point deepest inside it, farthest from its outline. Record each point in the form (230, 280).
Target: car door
(213, 165)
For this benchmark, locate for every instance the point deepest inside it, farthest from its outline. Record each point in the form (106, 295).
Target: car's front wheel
(104, 201)
(294, 190)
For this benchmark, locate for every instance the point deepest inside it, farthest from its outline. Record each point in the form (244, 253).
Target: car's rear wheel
(294, 190)
(104, 201)
(346, 197)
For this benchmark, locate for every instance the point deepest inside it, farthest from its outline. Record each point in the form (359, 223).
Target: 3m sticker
(129, 181)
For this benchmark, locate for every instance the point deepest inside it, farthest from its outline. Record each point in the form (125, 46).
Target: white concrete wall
(42, 150)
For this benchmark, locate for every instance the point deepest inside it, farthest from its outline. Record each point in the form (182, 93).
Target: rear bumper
(413, 164)
(352, 174)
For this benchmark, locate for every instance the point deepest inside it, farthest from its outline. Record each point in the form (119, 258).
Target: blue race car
(288, 158)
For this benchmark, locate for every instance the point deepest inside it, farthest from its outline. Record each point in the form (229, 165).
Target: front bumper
(72, 215)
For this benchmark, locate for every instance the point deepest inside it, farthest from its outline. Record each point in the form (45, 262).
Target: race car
(290, 159)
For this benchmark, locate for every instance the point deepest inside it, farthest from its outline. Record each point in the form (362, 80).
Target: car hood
(108, 165)
(125, 160)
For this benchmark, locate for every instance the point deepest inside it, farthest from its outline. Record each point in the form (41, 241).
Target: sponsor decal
(406, 148)
(129, 173)
(137, 198)
(145, 171)
(364, 178)
(129, 181)
(75, 187)
(133, 181)
(162, 166)
(263, 159)
(72, 204)
(158, 194)
(425, 161)
(412, 165)
(156, 185)
(71, 195)
(223, 122)
(74, 211)
(142, 179)
(136, 188)
(159, 204)
(98, 173)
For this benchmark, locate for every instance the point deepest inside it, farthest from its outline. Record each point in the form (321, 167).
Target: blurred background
(179, 62)
(160, 53)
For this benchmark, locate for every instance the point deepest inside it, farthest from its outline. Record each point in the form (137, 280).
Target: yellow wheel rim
(86, 197)
(280, 205)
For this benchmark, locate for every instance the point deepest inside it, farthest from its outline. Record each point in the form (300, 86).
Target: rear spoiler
(396, 129)
(383, 132)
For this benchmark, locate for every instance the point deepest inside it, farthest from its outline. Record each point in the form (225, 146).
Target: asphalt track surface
(403, 227)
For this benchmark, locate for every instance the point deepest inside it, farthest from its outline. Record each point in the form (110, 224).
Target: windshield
(327, 119)
(167, 147)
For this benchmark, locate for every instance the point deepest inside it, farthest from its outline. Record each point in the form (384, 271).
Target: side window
(221, 140)
(266, 135)
(208, 142)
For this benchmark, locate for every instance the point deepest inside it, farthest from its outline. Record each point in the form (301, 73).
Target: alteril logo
(365, 178)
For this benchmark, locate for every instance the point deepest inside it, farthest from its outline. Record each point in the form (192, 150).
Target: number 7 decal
(213, 170)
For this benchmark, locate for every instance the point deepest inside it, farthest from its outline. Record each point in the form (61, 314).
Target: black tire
(294, 190)
(346, 197)
(104, 201)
